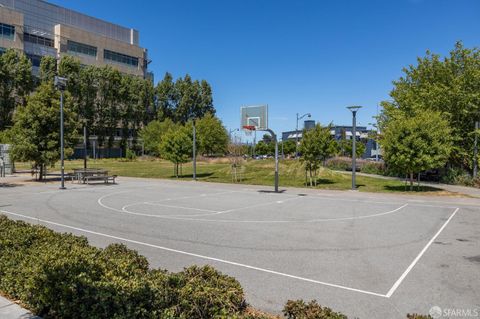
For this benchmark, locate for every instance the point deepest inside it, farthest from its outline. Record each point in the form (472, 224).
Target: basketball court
(367, 255)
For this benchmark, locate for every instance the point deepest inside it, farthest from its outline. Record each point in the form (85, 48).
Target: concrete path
(10, 310)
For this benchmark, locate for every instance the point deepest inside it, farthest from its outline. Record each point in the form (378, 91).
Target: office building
(39, 29)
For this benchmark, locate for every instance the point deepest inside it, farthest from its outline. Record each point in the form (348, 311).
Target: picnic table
(85, 175)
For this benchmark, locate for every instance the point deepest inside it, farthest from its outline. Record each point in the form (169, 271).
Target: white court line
(189, 217)
(414, 262)
(197, 255)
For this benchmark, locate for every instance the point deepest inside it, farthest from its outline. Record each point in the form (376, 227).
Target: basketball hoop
(248, 129)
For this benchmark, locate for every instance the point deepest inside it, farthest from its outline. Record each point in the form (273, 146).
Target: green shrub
(62, 276)
(130, 155)
(373, 168)
(339, 163)
(298, 309)
(204, 292)
(457, 176)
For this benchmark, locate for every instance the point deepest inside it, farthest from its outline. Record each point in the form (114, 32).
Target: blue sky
(296, 56)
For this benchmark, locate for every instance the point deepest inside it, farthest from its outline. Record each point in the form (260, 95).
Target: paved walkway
(10, 310)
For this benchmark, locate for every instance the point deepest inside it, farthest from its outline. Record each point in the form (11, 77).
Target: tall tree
(16, 82)
(449, 86)
(36, 135)
(166, 98)
(48, 68)
(153, 134)
(415, 142)
(212, 136)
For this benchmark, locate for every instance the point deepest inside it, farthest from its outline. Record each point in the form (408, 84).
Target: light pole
(296, 132)
(230, 133)
(194, 151)
(475, 151)
(354, 110)
(61, 84)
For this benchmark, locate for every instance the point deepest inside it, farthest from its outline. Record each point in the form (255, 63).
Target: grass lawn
(256, 172)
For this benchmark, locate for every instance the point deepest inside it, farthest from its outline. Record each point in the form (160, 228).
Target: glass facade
(76, 47)
(32, 38)
(120, 58)
(43, 16)
(7, 31)
(35, 59)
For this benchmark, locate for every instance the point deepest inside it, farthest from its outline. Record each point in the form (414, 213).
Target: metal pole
(354, 150)
(276, 164)
(296, 139)
(475, 151)
(194, 153)
(85, 146)
(61, 143)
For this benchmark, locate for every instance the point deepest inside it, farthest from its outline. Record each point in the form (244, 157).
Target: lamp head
(60, 83)
(354, 108)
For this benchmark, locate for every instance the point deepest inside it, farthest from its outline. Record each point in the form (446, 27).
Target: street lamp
(230, 133)
(354, 110)
(61, 85)
(296, 132)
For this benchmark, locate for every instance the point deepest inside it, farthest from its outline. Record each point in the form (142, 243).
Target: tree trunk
(411, 182)
(40, 176)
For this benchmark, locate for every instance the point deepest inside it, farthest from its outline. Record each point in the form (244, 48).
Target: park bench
(92, 174)
(105, 178)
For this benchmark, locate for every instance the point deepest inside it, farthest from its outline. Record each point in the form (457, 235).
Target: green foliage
(177, 147)
(183, 99)
(205, 293)
(339, 163)
(316, 146)
(288, 147)
(263, 148)
(130, 155)
(48, 69)
(153, 134)
(61, 276)
(373, 168)
(298, 309)
(416, 142)
(345, 148)
(36, 134)
(449, 86)
(212, 137)
(16, 82)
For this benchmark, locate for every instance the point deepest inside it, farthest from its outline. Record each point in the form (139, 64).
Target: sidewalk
(10, 310)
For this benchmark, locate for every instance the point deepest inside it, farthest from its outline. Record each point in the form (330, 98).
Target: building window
(7, 31)
(35, 59)
(120, 58)
(75, 47)
(38, 40)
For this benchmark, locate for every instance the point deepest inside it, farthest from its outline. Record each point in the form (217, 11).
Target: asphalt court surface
(375, 256)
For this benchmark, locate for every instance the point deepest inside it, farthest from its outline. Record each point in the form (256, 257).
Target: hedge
(61, 276)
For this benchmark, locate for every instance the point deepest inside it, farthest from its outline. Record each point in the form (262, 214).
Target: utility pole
(85, 145)
(475, 151)
(354, 110)
(194, 152)
(296, 132)
(61, 84)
